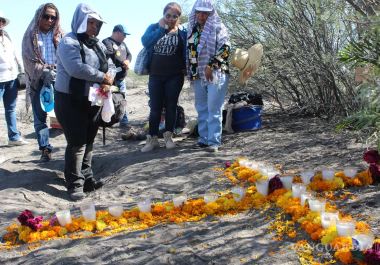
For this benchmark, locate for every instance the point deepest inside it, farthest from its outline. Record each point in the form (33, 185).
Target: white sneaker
(169, 140)
(151, 143)
(19, 142)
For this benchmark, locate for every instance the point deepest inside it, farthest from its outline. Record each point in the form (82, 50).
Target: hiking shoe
(126, 126)
(212, 148)
(151, 143)
(199, 145)
(92, 184)
(18, 142)
(76, 194)
(169, 140)
(46, 155)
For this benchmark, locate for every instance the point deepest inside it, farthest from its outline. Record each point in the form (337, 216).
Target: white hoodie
(9, 67)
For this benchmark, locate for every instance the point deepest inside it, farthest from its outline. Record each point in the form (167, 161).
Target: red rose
(371, 157)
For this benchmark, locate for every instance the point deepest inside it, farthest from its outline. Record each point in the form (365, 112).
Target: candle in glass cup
(64, 217)
(242, 162)
(88, 211)
(362, 240)
(254, 166)
(350, 172)
(306, 176)
(329, 218)
(116, 210)
(238, 193)
(297, 189)
(262, 186)
(317, 204)
(345, 226)
(208, 197)
(178, 199)
(306, 195)
(328, 174)
(272, 173)
(145, 206)
(287, 181)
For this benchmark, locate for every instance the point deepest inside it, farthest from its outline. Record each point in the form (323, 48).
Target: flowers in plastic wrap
(275, 183)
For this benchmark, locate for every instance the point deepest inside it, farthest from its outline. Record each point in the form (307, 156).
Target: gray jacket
(69, 60)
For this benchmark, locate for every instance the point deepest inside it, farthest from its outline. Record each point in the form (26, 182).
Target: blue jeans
(164, 87)
(8, 92)
(122, 87)
(40, 125)
(209, 100)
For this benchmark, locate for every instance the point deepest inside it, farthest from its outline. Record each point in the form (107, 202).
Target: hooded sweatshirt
(69, 60)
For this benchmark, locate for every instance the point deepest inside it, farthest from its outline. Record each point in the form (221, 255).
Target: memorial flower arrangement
(372, 157)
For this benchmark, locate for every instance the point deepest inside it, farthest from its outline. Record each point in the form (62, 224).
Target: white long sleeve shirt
(9, 68)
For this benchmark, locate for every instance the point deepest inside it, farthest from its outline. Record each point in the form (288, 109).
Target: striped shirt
(47, 48)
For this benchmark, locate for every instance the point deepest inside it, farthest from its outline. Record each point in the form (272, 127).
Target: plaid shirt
(46, 47)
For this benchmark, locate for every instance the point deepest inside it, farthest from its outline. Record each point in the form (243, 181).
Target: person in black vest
(118, 51)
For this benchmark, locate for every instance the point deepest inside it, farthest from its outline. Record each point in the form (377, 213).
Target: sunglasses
(202, 12)
(2, 20)
(47, 17)
(171, 16)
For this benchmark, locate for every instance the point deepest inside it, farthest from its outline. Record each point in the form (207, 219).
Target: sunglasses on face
(202, 12)
(168, 16)
(2, 20)
(47, 17)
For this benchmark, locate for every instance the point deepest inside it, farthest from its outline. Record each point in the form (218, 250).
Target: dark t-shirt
(167, 55)
(118, 52)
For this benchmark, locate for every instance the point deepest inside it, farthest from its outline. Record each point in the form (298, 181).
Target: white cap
(96, 16)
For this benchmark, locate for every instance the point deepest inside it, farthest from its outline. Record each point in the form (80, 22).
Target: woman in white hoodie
(10, 67)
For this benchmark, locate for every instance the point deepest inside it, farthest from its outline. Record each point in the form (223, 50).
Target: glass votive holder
(345, 226)
(88, 211)
(306, 195)
(328, 173)
(238, 193)
(317, 204)
(209, 197)
(242, 162)
(306, 176)
(115, 210)
(329, 218)
(350, 172)
(262, 186)
(145, 206)
(297, 189)
(287, 181)
(362, 240)
(64, 217)
(179, 199)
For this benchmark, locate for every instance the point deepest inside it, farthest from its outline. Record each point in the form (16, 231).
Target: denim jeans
(8, 92)
(164, 87)
(40, 125)
(122, 87)
(209, 100)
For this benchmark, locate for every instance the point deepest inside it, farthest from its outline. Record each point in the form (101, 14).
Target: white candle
(238, 193)
(179, 199)
(297, 189)
(208, 197)
(145, 206)
(306, 195)
(254, 166)
(242, 162)
(329, 219)
(317, 204)
(116, 210)
(345, 227)
(306, 176)
(350, 172)
(89, 215)
(272, 173)
(64, 217)
(287, 181)
(362, 241)
(262, 186)
(328, 173)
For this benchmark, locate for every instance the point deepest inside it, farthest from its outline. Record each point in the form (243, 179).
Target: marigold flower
(63, 231)
(341, 242)
(328, 238)
(88, 225)
(100, 225)
(345, 256)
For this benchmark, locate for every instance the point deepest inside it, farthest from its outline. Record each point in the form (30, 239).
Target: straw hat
(6, 20)
(247, 61)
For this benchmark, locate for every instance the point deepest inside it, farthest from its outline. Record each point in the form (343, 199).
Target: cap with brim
(247, 61)
(96, 16)
(7, 21)
(202, 8)
(122, 29)
(47, 98)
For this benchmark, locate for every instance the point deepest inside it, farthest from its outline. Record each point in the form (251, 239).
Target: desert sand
(295, 143)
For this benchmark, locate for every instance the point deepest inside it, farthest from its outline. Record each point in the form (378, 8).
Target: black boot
(90, 183)
(73, 174)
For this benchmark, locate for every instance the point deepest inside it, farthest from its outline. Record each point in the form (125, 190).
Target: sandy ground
(293, 142)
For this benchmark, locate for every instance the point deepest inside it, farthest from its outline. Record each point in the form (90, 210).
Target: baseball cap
(96, 16)
(121, 28)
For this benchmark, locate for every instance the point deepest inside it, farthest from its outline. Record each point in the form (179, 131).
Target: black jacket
(118, 52)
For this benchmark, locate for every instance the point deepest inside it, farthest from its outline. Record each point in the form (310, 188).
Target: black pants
(80, 125)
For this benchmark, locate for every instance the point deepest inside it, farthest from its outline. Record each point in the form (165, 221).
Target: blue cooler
(246, 118)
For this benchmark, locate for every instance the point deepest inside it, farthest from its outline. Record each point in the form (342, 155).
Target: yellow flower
(88, 225)
(345, 256)
(100, 225)
(63, 231)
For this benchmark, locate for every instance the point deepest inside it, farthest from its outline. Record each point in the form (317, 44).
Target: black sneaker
(199, 146)
(46, 155)
(92, 184)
